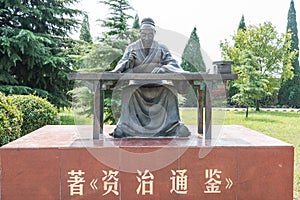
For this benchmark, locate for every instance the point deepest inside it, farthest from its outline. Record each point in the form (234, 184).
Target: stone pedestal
(55, 162)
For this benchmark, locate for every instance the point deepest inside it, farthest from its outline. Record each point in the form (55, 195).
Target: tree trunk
(247, 111)
(257, 105)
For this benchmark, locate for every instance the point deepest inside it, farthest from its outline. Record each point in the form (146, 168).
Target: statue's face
(147, 37)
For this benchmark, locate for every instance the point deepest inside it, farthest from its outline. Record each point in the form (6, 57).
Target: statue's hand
(158, 70)
(131, 59)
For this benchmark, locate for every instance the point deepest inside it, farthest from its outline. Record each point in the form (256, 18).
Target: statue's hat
(148, 23)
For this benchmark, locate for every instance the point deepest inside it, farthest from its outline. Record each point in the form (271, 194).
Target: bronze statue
(149, 108)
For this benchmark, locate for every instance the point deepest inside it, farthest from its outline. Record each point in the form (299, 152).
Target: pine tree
(85, 33)
(117, 21)
(33, 47)
(136, 23)
(232, 90)
(104, 57)
(289, 93)
(242, 25)
(192, 59)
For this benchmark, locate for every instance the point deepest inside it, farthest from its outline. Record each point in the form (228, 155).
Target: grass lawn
(68, 117)
(281, 125)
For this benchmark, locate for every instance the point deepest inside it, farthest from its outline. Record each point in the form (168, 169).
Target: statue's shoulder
(133, 45)
(163, 47)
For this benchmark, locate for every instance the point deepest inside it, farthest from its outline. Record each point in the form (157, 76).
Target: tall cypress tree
(85, 33)
(289, 93)
(136, 23)
(242, 25)
(192, 59)
(232, 90)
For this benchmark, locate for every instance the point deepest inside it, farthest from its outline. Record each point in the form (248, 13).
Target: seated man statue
(149, 108)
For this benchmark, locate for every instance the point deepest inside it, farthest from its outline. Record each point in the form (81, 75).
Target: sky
(215, 20)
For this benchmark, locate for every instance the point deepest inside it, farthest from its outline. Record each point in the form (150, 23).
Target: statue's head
(147, 31)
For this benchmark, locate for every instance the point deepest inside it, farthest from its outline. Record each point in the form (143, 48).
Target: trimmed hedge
(36, 112)
(10, 120)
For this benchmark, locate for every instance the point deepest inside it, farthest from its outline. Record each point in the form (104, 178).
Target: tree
(33, 46)
(85, 33)
(242, 24)
(100, 58)
(192, 59)
(289, 93)
(117, 22)
(260, 58)
(232, 90)
(104, 57)
(136, 22)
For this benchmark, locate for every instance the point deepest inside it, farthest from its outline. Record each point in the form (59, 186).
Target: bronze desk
(100, 79)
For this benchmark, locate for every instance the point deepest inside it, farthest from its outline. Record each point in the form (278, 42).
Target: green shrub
(10, 120)
(36, 112)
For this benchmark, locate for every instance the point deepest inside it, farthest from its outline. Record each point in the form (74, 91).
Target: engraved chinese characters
(110, 183)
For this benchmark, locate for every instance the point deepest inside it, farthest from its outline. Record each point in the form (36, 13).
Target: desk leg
(200, 97)
(98, 110)
(208, 112)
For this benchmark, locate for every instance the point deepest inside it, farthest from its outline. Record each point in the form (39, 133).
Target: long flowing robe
(149, 108)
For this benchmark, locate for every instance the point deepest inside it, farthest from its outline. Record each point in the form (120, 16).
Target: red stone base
(60, 162)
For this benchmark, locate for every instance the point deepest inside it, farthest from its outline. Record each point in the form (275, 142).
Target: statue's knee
(117, 133)
(182, 131)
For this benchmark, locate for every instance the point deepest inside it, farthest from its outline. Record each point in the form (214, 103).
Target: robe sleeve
(123, 63)
(170, 65)
(168, 62)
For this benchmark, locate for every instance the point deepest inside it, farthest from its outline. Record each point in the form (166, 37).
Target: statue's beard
(147, 44)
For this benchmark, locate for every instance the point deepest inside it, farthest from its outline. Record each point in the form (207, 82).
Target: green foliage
(10, 120)
(77, 52)
(111, 109)
(85, 33)
(33, 45)
(116, 22)
(36, 112)
(242, 24)
(192, 61)
(192, 57)
(83, 102)
(69, 117)
(11, 89)
(260, 57)
(292, 27)
(83, 98)
(49, 17)
(102, 57)
(232, 90)
(289, 93)
(136, 22)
